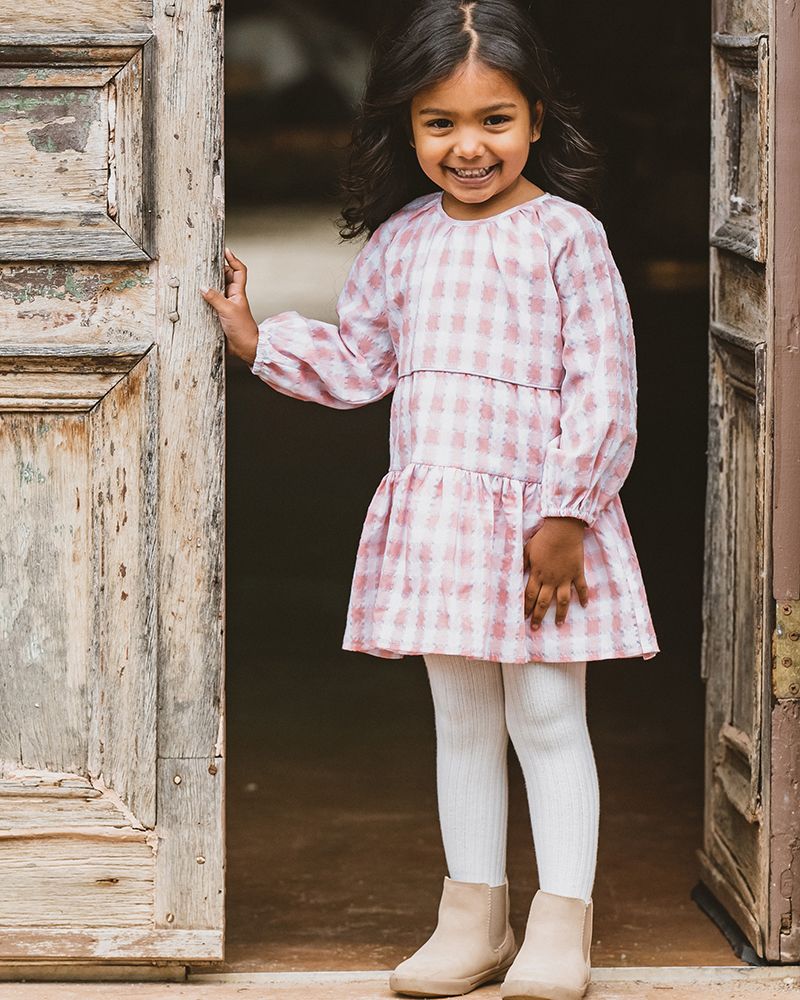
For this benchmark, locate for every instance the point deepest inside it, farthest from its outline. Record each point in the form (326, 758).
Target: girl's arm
(342, 366)
(586, 465)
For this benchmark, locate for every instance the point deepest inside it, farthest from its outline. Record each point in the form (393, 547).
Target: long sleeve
(588, 462)
(342, 366)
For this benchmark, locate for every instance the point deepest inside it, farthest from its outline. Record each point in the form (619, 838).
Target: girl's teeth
(473, 173)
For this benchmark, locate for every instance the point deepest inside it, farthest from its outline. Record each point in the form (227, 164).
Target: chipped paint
(64, 116)
(61, 281)
(59, 135)
(28, 473)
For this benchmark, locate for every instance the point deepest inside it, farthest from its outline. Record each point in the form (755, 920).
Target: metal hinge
(786, 651)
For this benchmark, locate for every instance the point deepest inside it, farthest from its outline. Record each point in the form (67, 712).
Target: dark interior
(334, 851)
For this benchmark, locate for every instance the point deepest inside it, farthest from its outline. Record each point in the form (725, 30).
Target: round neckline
(487, 218)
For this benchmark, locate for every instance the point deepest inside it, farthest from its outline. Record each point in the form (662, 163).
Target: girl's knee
(545, 703)
(468, 702)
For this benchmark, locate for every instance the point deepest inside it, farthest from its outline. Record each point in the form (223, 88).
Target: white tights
(478, 704)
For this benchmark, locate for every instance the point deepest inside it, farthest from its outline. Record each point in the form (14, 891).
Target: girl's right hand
(553, 556)
(233, 310)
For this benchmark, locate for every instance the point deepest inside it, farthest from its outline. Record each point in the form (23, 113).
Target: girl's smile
(472, 134)
(474, 176)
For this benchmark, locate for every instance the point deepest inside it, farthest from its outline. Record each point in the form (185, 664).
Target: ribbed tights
(478, 704)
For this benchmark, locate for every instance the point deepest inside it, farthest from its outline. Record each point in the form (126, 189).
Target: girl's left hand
(554, 556)
(233, 310)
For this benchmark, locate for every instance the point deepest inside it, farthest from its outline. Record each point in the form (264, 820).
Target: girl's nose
(469, 146)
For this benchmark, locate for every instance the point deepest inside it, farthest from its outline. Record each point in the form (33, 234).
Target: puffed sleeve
(341, 366)
(587, 463)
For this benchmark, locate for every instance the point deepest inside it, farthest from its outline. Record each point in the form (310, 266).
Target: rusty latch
(786, 650)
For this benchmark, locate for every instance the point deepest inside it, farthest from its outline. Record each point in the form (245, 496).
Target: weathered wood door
(111, 482)
(751, 647)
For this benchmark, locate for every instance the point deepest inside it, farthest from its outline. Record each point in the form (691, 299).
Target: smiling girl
(487, 299)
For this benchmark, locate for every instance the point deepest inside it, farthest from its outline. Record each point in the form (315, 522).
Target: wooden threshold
(61, 945)
(668, 975)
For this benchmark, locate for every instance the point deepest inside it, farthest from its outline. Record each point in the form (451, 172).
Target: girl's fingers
(541, 605)
(214, 298)
(234, 261)
(531, 593)
(235, 274)
(238, 279)
(562, 602)
(532, 586)
(583, 590)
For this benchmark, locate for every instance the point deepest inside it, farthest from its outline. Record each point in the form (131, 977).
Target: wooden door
(111, 482)
(751, 643)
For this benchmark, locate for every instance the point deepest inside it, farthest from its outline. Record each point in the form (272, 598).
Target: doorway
(335, 857)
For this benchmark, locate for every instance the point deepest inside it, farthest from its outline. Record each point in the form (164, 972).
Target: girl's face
(479, 120)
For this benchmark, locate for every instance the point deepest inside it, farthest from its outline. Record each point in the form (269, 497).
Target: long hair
(421, 44)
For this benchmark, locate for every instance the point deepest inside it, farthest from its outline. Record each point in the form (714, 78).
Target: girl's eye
(445, 122)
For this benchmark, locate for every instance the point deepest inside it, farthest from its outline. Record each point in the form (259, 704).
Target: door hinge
(786, 651)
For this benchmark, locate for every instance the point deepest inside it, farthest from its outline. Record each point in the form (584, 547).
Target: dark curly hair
(421, 44)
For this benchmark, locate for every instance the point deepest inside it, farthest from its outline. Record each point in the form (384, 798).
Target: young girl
(486, 297)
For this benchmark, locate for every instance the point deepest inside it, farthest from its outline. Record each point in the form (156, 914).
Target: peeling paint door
(111, 482)
(751, 643)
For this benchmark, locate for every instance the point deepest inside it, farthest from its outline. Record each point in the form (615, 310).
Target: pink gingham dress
(509, 345)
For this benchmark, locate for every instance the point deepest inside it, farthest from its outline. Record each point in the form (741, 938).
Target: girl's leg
(546, 719)
(471, 765)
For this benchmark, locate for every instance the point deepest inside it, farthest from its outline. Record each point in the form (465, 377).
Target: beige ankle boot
(553, 962)
(473, 943)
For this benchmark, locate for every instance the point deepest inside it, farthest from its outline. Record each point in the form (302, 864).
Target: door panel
(111, 483)
(752, 736)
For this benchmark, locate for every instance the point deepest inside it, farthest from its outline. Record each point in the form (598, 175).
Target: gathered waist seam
(460, 468)
(494, 378)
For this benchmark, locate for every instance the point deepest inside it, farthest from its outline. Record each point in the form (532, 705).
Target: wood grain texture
(129, 944)
(111, 536)
(67, 238)
(735, 637)
(78, 880)
(74, 155)
(785, 130)
(70, 48)
(740, 144)
(128, 164)
(188, 234)
(75, 15)
(190, 879)
(55, 144)
(739, 303)
(64, 972)
(31, 800)
(123, 676)
(61, 77)
(744, 17)
(45, 379)
(57, 391)
(74, 305)
(785, 832)
(43, 479)
(782, 721)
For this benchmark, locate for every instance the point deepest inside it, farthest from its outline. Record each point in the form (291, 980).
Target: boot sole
(411, 987)
(541, 991)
